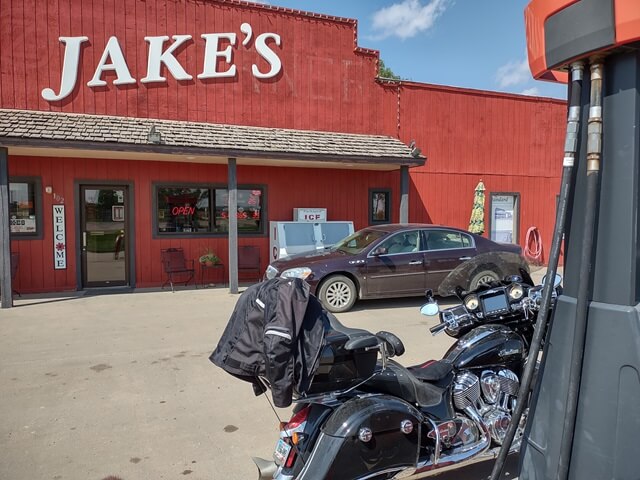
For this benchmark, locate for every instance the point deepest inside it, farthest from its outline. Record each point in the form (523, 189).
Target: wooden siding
(326, 82)
(513, 143)
(344, 194)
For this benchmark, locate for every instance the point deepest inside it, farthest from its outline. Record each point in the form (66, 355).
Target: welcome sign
(59, 238)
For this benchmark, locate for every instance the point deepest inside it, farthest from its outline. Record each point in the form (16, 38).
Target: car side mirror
(379, 251)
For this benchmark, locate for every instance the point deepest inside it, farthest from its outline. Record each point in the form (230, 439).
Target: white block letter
(69, 69)
(157, 57)
(268, 54)
(118, 64)
(211, 54)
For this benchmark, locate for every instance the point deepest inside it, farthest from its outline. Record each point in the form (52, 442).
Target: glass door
(104, 241)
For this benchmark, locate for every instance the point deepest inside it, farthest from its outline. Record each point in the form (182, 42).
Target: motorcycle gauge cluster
(516, 291)
(471, 302)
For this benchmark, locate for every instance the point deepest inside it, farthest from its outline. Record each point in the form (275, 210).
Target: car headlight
(300, 272)
(271, 272)
(516, 292)
(471, 302)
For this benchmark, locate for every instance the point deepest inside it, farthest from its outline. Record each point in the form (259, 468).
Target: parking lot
(121, 385)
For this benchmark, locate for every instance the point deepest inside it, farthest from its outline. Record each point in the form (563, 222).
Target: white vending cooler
(289, 238)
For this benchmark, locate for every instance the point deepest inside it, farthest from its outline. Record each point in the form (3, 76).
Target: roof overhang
(56, 134)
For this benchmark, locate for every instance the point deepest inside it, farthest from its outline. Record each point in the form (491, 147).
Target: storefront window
(187, 210)
(183, 210)
(23, 208)
(249, 213)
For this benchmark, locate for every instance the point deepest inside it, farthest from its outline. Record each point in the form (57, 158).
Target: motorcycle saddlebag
(340, 453)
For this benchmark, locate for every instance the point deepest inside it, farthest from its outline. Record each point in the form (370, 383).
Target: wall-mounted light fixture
(154, 135)
(415, 151)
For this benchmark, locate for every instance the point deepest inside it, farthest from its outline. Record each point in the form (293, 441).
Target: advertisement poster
(503, 218)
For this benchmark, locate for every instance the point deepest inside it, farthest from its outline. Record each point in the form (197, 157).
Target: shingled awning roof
(41, 129)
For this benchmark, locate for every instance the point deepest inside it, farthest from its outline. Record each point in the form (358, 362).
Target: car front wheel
(338, 294)
(482, 278)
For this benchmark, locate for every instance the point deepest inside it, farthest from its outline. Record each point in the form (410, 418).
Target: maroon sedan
(395, 260)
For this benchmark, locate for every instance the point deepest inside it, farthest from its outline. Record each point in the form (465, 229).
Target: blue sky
(464, 43)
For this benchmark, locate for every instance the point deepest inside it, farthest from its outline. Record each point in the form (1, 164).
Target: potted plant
(209, 258)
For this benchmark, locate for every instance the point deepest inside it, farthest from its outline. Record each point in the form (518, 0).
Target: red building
(139, 117)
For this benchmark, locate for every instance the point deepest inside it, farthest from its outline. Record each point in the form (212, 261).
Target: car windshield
(357, 242)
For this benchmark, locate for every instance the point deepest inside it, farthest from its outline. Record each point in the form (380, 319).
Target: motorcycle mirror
(429, 294)
(556, 281)
(430, 309)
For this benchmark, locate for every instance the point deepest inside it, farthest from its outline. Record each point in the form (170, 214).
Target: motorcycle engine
(493, 395)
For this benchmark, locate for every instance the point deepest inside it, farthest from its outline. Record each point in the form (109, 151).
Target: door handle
(464, 258)
(416, 262)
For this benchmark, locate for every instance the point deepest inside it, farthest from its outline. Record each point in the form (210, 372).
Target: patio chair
(249, 262)
(177, 268)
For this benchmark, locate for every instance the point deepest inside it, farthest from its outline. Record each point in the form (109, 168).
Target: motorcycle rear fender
(339, 453)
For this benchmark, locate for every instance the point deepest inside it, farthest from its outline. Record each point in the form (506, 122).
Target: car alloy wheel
(338, 293)
(483, 278)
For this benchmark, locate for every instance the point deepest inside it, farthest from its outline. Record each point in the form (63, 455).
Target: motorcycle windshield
(505, 262)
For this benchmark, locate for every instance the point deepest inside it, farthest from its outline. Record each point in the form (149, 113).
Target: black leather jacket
(275, 332)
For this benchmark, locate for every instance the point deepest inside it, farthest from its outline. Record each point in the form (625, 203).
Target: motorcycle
(368, 417)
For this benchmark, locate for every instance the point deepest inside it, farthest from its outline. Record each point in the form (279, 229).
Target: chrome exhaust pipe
(266, 468)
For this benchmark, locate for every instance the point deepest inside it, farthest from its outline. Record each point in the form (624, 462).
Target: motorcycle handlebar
(438, 328)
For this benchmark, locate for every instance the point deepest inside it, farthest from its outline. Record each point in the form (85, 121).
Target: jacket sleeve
(280, 338)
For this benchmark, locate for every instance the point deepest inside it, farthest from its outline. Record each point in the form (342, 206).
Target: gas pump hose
(594, 152)
(571, 146)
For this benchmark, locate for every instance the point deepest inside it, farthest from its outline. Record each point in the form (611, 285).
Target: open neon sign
(183, 211)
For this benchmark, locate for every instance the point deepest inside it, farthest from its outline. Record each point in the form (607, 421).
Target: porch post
(6, 289)
(404, 194)
(233, 225)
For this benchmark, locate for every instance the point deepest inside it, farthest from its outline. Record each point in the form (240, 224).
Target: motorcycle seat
(432, 371)
(399, 381)
(357, 337)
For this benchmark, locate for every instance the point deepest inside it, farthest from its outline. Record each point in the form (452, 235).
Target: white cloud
(513, 73)
(533, 92)
(408, 18)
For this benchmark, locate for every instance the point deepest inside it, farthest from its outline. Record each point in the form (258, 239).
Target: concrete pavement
(121, 385)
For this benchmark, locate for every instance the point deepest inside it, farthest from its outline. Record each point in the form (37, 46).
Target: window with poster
(25, 207)
(202, 210)
(504, 214)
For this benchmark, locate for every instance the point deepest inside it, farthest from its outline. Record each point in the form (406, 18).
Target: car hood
(308, 259)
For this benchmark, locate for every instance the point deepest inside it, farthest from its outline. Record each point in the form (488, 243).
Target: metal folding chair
(177, 268)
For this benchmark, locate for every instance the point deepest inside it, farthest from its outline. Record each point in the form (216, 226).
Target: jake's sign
(113, 60)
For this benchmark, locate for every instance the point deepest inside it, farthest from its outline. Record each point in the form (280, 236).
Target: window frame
(448, 231)
(516, 215)
(37, 185)
(212, 187)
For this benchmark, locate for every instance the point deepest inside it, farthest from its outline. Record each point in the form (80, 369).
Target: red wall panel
(326, 83)
(344, 194)
(513, 143)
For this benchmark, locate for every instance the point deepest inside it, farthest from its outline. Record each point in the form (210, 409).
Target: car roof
(395, 227)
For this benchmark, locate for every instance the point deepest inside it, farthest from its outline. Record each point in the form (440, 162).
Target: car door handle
(464, 258)
(416, 262)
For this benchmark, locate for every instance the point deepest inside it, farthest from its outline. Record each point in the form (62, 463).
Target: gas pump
(584, 417)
